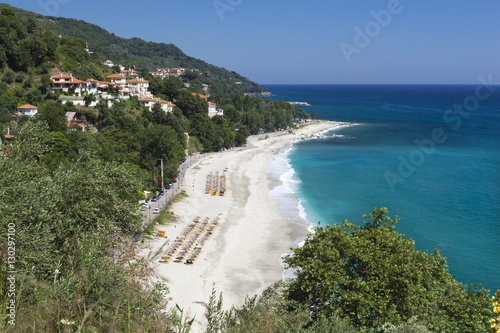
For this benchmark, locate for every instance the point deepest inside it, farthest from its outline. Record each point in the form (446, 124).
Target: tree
(89, 99)
(160, 141)
(372, 275)
(159, 116)
(191, 105)
(75, 220)
(54, 114)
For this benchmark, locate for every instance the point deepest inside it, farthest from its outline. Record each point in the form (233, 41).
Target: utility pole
(162, 180)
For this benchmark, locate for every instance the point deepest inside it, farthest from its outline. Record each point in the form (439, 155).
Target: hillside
(145, 56)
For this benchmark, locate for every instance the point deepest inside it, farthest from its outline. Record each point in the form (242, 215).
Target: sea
(429, 153)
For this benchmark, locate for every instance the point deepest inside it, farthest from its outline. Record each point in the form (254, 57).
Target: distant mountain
(145, 56)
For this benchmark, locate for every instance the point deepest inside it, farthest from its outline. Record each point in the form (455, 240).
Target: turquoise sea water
(431, 154)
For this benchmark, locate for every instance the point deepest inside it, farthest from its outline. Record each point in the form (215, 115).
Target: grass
(164, 218)
(180, 196)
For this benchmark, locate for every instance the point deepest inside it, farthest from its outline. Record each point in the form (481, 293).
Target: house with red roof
(64, 82)
(139, 87)
(73, 122)
(16, 116)
(108, 63)
(200, 96)
(129, 73)
(213, 110)
(27, 110)
(164, 73)
(117, 79)
(149, 102)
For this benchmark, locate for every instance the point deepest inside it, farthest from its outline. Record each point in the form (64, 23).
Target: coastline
(243, 256)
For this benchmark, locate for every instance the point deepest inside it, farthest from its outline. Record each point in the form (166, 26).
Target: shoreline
(243, 256)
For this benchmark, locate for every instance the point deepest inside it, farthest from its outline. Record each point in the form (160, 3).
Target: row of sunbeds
(216, 185)
(189, 244)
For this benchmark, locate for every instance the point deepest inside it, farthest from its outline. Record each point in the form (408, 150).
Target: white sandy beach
(243, 256)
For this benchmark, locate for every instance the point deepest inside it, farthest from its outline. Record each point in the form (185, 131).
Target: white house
(64, 82)
(139, 87)
(108, 63)
(149, 102)
(213, 110)
(129, 73)
(27, 110)
(117, 79)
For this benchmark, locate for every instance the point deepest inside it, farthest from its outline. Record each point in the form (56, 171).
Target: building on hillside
(64, 82)
(164, 73)
(205, 88)
(139, 87)
(27, 110)
(16, 116)
(213, 110)
(129, 73)
(73, 123)
(200, 96)
(108, 63)
(149, 102)
(117, 79)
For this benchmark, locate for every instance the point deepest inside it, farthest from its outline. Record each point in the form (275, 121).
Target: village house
(108, 63)
(164, 73)
(200, 96)
(104, 89)
(149, 102)
(27, 110)
(64, 82)
(16, 116)
(139, 87)
(129, 73)
(213, 110)
(117, 79)
(73, 123)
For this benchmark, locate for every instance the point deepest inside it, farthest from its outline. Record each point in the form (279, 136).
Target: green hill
(145, 56)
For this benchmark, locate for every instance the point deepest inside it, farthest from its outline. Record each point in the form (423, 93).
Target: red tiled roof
(74, 124)
(115, 76)
(27, 106)
(200, 95)
(137, 80)
(62, 76)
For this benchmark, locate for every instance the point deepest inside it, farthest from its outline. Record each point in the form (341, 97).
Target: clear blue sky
(423, 41)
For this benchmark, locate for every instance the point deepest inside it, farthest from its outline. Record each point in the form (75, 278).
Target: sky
(311, 42)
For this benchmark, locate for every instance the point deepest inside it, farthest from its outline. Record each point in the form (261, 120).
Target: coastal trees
(372, 275)
(71, 226)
